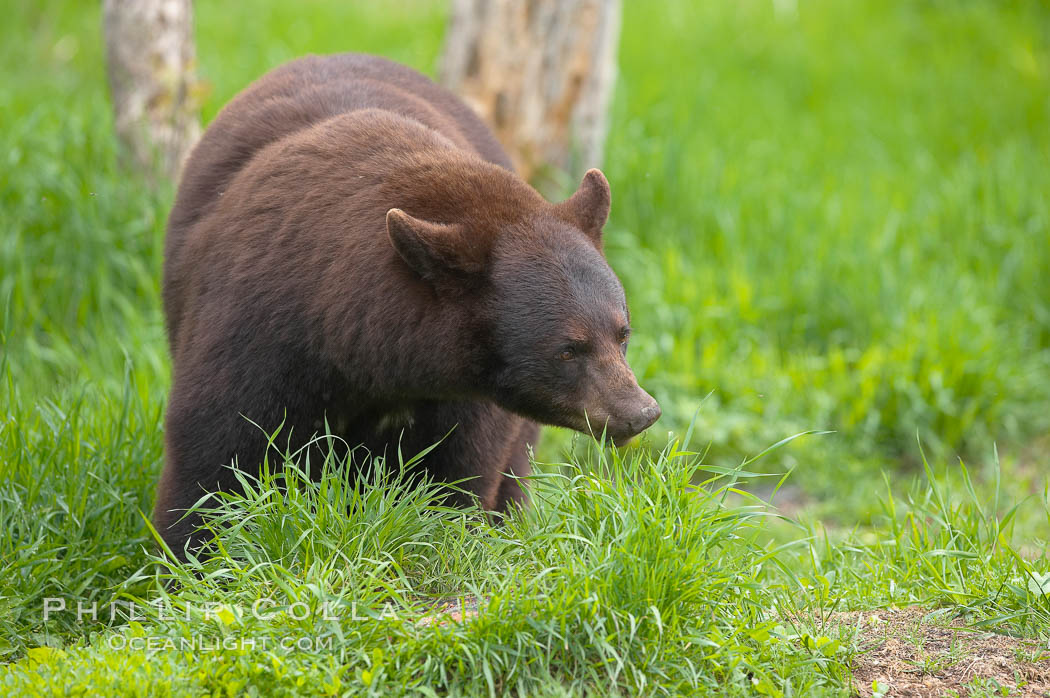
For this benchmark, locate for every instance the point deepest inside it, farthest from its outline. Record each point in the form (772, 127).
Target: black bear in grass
(351, 246)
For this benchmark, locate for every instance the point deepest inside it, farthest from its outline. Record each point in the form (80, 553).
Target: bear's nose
(647, 417)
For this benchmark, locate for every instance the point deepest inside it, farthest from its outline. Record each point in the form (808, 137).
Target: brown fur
(350, 244)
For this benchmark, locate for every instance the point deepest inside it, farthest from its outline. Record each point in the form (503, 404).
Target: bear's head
(552, 317)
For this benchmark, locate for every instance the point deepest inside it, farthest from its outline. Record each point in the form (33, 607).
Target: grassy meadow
(832, 220)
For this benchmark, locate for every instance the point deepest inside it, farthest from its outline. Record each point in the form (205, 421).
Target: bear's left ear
(435, 251)
(588, 208)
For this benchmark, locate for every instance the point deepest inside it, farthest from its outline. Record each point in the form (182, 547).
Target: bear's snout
(646, 417)
(636, 418)
(632, 416)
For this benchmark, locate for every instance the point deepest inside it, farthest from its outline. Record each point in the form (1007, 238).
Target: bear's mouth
(599, 428)
(619, 427)
(598, 424)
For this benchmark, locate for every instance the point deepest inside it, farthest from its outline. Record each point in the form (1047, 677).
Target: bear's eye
(567, 354)
(625, 334)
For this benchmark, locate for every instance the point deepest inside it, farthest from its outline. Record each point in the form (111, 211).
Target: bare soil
(452, 611)
(916, 653)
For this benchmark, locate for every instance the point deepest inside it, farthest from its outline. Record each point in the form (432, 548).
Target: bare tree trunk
(540, 72)
(150, 58)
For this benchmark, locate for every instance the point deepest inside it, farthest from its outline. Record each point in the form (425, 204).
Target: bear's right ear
(433, 250)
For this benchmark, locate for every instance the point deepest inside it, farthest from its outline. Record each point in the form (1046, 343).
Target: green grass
(832, 218)
(839, 219)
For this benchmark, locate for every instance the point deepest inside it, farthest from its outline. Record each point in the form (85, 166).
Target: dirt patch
(916, 652)
(451, 611)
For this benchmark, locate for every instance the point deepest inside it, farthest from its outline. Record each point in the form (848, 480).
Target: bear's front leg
(511, 489)
(209, 427)
(480, 444)
(200, 445)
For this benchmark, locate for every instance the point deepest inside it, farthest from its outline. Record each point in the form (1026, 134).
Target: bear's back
(309, 90)
(293, 97)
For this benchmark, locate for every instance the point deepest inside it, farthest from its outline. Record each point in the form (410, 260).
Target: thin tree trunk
(540, 72)
(150, 59)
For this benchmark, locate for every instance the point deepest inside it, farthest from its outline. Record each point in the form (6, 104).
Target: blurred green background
(827, 215)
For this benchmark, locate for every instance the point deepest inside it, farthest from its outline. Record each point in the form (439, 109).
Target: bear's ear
(433, 250)
(588, 208)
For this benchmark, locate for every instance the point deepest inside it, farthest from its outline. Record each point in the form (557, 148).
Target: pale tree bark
(540, 72)
(150, 59)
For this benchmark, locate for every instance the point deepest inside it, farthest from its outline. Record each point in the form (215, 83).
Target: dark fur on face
(561, 327)
(350, 244)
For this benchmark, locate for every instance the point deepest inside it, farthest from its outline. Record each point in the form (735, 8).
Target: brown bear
(350, 246)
